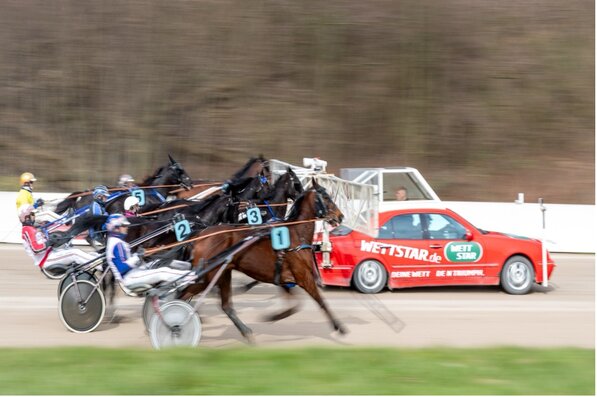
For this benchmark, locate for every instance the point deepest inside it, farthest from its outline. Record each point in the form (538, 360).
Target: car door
(405, 251)
(458, 260)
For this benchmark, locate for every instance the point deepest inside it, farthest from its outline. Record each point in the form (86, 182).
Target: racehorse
(221, 208)
(255, 166)
(169, 174)
(260, 261)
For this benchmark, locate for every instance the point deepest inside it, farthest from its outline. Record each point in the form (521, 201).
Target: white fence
(569, 228)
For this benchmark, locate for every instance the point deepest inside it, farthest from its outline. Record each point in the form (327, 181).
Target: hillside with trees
(485, 98)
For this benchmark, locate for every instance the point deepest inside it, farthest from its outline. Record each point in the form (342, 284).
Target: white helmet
(24, 211)
(130, 202)
(124, 179)
(116, 220)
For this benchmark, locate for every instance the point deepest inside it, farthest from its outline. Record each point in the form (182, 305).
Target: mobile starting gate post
(543, 247)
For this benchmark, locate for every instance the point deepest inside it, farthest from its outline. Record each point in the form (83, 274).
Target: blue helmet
(116, 220)
(100, 191)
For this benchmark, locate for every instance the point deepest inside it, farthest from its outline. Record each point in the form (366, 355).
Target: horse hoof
(342, 330)
(250, 339)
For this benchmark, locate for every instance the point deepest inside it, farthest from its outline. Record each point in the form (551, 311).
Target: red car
(419, 247)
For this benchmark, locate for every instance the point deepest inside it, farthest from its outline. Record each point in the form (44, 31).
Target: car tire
(370, 277)
(517, 276)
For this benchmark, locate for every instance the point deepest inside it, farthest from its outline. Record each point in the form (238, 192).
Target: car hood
(513, 236)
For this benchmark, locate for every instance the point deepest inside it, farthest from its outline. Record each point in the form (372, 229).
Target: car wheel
(517, 276)
(370, 277)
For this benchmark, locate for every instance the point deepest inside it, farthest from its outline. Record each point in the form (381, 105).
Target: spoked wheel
(67, 280)
(148, 310)
(177, 325)
(82, 306)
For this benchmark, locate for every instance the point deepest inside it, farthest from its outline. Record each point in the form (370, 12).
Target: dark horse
(221, 208)
(169, 174)
(260, 261)
(252, 168)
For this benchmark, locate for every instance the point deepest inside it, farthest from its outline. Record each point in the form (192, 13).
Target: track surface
(561, 315)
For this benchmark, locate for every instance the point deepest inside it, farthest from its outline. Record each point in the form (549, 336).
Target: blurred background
(486, 98)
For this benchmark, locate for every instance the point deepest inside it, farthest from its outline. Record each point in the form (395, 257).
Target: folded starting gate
(357, 201)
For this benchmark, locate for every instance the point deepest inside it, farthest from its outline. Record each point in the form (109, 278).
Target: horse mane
(238, 184)
(295, 211)
(148, 180)
(245, 168)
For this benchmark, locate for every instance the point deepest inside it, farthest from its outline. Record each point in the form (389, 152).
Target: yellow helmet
(27, 177)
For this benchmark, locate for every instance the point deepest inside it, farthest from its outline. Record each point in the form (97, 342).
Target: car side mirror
(468, 236)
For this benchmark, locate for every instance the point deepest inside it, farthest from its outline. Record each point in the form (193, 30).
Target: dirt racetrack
(561, 315)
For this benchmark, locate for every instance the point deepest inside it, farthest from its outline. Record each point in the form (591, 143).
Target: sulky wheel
(177, 325)
(67, 280)
(148, 311)
(81, 306)
(370, 277)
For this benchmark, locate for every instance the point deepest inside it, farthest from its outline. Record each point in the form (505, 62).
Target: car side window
(406, 227)
(444, 227)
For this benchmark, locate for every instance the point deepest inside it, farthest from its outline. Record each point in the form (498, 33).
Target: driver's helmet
(130, 202)
(125, 179)
(116, 220)
(27, 177)
(100, 191)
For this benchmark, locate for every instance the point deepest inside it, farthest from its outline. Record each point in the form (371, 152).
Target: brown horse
(260, 261)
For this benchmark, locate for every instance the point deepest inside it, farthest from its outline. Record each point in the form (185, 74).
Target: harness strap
(158, 195)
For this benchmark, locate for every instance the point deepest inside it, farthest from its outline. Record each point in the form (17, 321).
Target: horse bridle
(181, 174)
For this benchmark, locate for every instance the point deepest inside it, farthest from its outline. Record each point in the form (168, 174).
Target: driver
(126, 181)
(128, 268)
(131, 207)
(37, 247)
(98, 207)
(25, 195)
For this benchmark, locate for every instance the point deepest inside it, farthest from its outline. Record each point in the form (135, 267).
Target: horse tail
(68, 202)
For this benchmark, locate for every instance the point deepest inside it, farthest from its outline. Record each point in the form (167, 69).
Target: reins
(117, 189)
(151, 251)
(193, 186)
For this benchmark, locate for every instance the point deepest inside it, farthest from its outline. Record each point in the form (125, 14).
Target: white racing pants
(154, 276)
(69, 255)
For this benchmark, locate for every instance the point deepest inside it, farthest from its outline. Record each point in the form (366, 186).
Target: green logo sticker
(463, 252)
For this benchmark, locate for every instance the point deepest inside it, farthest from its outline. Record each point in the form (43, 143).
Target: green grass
(297, 371)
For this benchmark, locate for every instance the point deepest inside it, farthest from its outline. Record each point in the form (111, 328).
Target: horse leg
(245, 288)
(225, 295)
(109, 286)
(288, 312)
(307, 282)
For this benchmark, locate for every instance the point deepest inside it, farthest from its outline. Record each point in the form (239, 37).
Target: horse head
(325, 207)
(287, 186)
(178, 174)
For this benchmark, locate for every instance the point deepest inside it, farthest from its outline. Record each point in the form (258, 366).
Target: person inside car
(401, 193)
